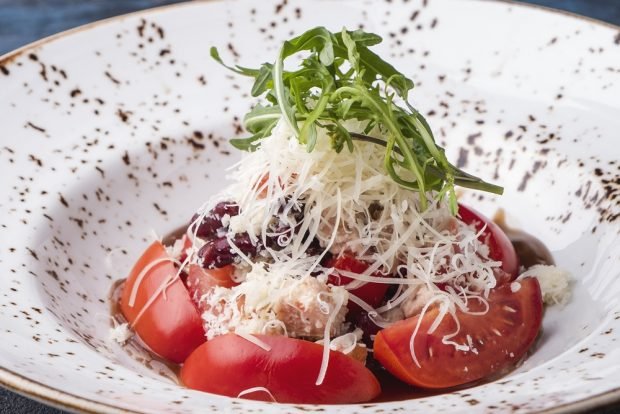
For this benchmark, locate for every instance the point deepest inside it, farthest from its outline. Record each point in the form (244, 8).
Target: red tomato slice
(501, 338)
(228, 365)
(500, 247)
(200, 281)
(371, 293)
(171, 325)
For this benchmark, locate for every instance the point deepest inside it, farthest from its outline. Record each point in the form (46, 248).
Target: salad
(339, 253)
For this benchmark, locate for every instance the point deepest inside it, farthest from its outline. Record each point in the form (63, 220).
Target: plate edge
(11, 55)
(64, 400)
(67, 401)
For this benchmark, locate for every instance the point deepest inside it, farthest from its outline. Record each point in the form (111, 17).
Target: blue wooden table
(24, 21)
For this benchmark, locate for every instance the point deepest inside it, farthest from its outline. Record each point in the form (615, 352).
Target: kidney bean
(218, 253)
(212, 222)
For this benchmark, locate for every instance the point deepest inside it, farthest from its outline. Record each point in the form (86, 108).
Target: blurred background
(24, 21)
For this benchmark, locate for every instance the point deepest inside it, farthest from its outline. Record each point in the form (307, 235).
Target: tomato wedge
(229, 365)
(171, 325)
(200, 281)
(501, 337)
(371, 293)
(500, 247)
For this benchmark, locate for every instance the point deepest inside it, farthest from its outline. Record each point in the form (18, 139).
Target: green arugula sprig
(341, 79)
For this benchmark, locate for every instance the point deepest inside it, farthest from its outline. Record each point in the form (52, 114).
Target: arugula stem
(377, 141)
(462, 179)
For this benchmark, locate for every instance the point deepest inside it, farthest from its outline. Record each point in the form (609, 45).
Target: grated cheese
(255, 341)
(554, 283)
(257, 389)
(121, 333)
(345, 343)
(145, 271)
(350, 204)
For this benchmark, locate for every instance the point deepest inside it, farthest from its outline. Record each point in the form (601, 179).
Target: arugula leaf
(352, 53)
(363, 38)
(261, 117)
(341, 79)
(238, 69)
(263, 80)
(318, 40)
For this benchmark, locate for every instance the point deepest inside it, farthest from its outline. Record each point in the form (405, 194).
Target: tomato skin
(371, 293)
(516, 316)
(171, 326)
(201, 281)
(229, 364)
(500, 246)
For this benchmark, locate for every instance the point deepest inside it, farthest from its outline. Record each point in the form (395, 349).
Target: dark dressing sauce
(393, 389)
(530, 251)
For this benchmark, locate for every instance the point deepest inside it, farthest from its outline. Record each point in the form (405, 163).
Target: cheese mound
(554, 283)
(349, 204)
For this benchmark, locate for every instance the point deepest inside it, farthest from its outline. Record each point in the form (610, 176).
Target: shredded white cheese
(554, 283)
(345, 343)
(121, 333)
(255, 341)
(257, 389)
(176, 250)
(348, 203)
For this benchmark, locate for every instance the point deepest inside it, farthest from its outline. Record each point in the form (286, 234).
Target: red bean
(212, 222)
(219, 253)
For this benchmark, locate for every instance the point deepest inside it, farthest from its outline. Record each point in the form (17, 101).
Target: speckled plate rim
(66, 401)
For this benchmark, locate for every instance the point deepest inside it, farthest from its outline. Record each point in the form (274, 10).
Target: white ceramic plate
(120, 127)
